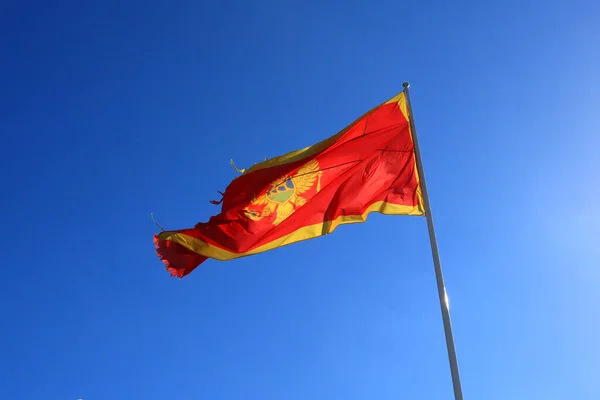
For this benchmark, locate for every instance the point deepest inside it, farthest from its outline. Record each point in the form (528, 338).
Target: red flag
(369, 166)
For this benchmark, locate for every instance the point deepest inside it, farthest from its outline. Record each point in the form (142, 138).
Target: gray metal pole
(436, 258)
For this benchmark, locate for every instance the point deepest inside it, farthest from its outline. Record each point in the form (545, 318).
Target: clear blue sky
(112, 110)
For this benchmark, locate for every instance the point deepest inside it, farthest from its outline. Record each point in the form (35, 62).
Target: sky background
(111, 110)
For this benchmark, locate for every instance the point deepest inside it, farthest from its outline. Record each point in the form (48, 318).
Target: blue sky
(112, 110)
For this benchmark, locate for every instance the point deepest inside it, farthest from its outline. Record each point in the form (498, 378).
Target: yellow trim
(307, 232)
(311, 150)
(401, 100)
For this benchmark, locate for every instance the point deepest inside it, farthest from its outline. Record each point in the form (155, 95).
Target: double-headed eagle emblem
(283, 197)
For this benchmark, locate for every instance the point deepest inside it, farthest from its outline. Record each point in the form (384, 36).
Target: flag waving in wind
(369, 166)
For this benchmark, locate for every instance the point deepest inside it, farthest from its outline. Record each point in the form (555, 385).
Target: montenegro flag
(369, 166)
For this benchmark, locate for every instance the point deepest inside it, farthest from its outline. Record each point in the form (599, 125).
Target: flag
(369, 166)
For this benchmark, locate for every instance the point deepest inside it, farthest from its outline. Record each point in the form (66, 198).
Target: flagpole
(436, 258)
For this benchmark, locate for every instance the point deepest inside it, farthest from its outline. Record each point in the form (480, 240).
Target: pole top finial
(405, 85)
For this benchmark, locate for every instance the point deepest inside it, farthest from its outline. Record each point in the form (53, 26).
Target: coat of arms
(284, 195)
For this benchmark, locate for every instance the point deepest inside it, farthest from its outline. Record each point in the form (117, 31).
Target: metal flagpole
(436, 258)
